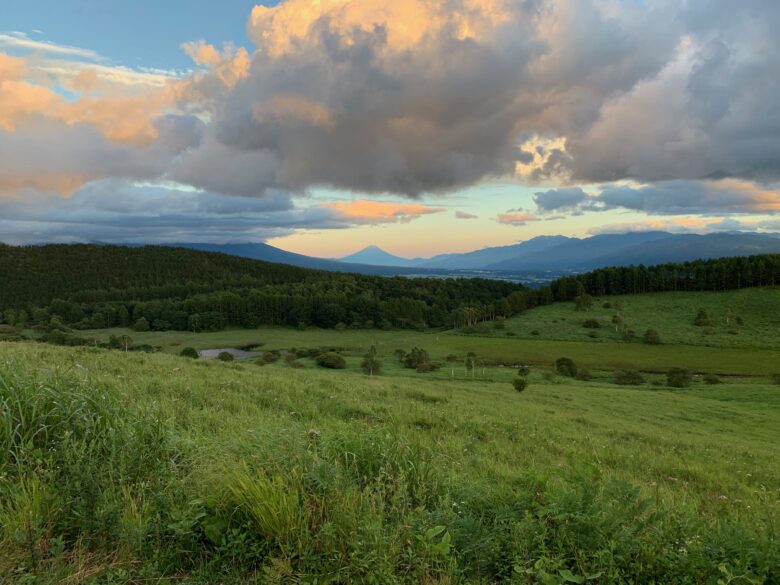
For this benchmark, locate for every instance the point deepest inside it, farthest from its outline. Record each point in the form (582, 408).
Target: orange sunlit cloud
(362, 211)
(515, 218)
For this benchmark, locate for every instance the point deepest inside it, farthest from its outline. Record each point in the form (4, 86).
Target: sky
(421, 126)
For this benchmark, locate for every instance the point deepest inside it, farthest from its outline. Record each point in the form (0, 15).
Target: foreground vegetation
(122, 467)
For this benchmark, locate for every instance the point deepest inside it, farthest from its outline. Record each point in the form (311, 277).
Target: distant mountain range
(561, 253)
(552, 255)
(268, 253)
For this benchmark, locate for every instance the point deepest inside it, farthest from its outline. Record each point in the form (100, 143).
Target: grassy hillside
(120, 467)
(742, 318)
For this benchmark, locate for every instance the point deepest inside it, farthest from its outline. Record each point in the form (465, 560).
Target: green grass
(120, 467)
(730, 361)
(671, 314)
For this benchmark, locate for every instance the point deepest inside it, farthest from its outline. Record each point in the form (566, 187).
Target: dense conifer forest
(95, 286)
(162, 288)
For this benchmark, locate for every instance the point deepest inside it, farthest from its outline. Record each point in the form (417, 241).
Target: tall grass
(135, 469)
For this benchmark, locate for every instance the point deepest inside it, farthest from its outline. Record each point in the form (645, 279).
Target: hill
(127, 467)
(176, 288)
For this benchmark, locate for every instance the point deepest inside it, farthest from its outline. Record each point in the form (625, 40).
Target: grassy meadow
(153, 468)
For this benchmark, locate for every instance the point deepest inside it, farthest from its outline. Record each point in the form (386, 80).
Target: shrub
(225, 356)
(591, 324)
(678, 378)
(651, 337)
(628, 378)
(775, 379)
(711, 379)
(583, 302)
(702, 319)
(315, 352)
(566, 367)
(523, 370)
(520, 384)
(534, 332)
(270, 357)
(332, 361)
(415, 358)
(629, 335)
(583, 374)
(510, 333)
(499, 323)
(141, 325)
(593, 334)
(189, 352)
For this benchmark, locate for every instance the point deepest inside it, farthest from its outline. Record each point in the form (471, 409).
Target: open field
(228, 472)
(604, 355)
(746, 318)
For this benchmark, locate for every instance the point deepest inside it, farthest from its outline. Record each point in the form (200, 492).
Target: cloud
(683, 225)
(20, 41)
(668, 198)
(362, 211)
(557, 199)
(136, 212)
(516, 218)
(669, 107)
(417, 96)
(465, 215)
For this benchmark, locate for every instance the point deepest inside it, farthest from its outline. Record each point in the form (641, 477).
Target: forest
(161, 288)
(96, 286)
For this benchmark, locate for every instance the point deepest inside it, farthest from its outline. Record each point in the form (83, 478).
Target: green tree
(141, 325)
(651, 337)
(678, 378)
(566, 367)
(371, 364)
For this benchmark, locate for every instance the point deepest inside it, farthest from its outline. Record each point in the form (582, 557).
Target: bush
(606, 306)
(332, 361)
(415, 358)
(678, 378)
(499, 323)
(591, 324)
(629, 335)
(711, 379)
(593, 334)
(651, 337)
(583, 374)
(566, 367)
(141, 325)
(270, 357)
(702, 319)
(628, 378)
(189, 352)
(520, 384)
(225, 356)
(775, 379)
(534, 332)
(523, 370)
